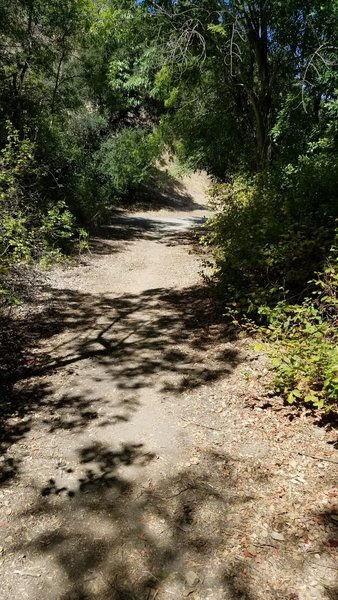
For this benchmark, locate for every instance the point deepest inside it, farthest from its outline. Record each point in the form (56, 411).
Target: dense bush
(66, 148)
(303, 341)
(126, 160)
(31, 228)
(276, 262)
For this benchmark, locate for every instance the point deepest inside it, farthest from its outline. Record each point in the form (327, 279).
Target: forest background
(94, 92)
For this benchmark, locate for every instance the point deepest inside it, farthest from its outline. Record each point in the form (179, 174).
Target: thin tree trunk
(260, 100)
(58, 74)
(19, 76)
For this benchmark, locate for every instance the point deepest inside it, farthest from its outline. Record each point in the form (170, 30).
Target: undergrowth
(302, 340)
(84, 185)
(32, 229)
(276, 262)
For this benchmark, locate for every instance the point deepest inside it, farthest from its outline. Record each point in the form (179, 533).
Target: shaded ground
(142, 456)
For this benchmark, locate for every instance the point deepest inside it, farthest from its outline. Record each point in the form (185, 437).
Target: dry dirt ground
(143, 457)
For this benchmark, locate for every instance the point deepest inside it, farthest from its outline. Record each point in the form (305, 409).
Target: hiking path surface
(145, 459)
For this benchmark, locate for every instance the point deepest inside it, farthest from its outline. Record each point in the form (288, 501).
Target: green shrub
(66, 147)
(276, 264)
(30, 227)
(303, 341)
(17, 171)
(126, 161)
(271, 233)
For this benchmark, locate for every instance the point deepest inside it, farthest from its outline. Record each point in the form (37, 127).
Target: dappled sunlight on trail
(133, 466)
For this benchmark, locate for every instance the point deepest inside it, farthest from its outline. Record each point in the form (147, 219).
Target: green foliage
(273, 231)
(241, 79)
(57, 225)
(16, 168)
(74, 75)
(303, 341)
(67, 151)
(29, 228)
(276, 256)
(265, 253)
(126, 161)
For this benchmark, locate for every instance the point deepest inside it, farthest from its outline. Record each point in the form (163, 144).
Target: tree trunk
(19, 76)
(58, 74)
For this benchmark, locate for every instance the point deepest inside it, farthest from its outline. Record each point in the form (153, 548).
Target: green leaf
(291, 398)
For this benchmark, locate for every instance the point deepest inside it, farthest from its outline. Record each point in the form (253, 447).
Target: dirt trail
(144, 460)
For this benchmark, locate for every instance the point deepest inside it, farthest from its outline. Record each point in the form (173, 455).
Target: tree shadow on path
(160, 339)
(124, 229)
(139, 541)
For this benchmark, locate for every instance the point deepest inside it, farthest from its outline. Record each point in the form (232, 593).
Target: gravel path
(144, 457)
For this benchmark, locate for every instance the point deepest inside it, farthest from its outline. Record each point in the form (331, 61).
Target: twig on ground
(190, 487)
(200, 425)
(27, 574)
(335, 462)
